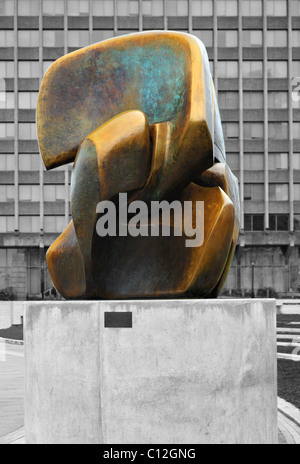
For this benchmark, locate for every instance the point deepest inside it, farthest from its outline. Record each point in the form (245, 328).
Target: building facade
(253, 47)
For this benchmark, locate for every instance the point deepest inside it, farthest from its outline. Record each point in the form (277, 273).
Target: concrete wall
(187, 372)
(11, 313)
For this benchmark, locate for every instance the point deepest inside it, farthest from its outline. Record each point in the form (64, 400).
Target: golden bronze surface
(138, 114)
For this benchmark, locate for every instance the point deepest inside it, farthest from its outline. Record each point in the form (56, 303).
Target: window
(279, 222)
(231, 130)
(29, 69)
(297, 222)
(229, 100)
(278, 130)
(296, 38)
(54, 224)
(103, 8)
(54, 193)
(203, 8)
(228, 69)
(207, 37)
(7, 38)
(253, 130)
(253, 69)
(278, 100)
(29, 192)
(7, 131)
(78, 7)
(7, 100)
(28, 7)
(296, 161)
(296, 68)
(28, 38)
(276, 7)
(7, 69)
(253, 100)
(228, 38)
(129, 7)
(7, 162)
(99, 36)
(53, 38)
(295, 7)
(278, 161)
(296, 129)
(279, 192)
(54, 7)
(254, 192)
(7, 8)
(254, 161)
(28, 100)
(29, 162)
(233, 161)
(7, 224)
(277, 39)
(253, 38)
(277, 69)
(153, 8)
(258, 222)
(227, 8)
(252, 7)
(27, 131)
(78, 38)
(46, 66)
(29, 224)
(296, 192)
(7, 193)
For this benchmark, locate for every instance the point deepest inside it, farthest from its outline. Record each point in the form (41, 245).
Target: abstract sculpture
(138, 114)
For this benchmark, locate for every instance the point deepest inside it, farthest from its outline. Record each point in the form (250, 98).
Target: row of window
(52, 193)
(227, 100)
(252, 131)
(57, 224)
(277, 222)
(255, 130)
(254, 100)
(252, 162)
(31, 224)
(226, 69)
(150, 7)
(56, 38)
(255, 161)
(81, 38)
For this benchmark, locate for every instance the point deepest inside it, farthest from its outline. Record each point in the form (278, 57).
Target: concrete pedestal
(166, 372)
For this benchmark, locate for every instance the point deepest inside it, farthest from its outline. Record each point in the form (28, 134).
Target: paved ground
(11, 389)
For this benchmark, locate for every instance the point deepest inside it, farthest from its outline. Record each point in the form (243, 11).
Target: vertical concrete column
(165, 15)
(91, 21)
(141, 15)
(266, 115)
(67, 169)
(215, 26)
(241, 114)
(41, 73)
(190, 13)
(16, 115)
(291, 117)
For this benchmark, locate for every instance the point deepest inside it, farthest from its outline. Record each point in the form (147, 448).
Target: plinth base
(166, 372)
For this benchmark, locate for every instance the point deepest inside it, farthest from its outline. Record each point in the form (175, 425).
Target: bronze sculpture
(138, 114)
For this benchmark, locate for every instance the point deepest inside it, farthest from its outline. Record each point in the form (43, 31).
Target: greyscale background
(253, 47)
